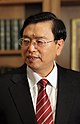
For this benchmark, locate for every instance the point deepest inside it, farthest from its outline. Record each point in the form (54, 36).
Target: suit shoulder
(6, 78)
(69, 73)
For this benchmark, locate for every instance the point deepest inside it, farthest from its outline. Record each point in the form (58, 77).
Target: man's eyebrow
(43, 37)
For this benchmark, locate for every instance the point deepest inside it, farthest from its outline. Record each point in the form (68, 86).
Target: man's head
(58, 27)
(42, 40)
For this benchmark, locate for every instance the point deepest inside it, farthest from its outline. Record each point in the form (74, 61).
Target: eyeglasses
(39, 42)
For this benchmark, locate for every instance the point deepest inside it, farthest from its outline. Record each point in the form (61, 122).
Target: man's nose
(32, 46)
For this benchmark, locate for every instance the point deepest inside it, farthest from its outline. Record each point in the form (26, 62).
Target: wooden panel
(46, 5)
(12, 11)
(10, 61)
(18, 1)
(55, 7)
(70, 2)
(10, 52)
(63, 2)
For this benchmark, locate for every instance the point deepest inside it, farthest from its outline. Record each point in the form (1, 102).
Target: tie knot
(43, 82)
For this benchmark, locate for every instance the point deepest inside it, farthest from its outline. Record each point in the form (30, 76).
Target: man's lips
(32, 58)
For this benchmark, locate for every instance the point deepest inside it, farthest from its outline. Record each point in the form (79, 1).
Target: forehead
(40, 28)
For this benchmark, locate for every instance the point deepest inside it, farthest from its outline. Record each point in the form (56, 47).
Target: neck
(43, 72)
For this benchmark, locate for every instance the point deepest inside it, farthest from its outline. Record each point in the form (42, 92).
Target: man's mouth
(32, 58)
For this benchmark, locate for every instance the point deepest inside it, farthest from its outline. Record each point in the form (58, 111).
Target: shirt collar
(33, 77)
(52, 77)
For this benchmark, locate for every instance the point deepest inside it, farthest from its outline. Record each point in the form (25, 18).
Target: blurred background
(12, 15)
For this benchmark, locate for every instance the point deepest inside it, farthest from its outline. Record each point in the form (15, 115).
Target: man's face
(40, 58)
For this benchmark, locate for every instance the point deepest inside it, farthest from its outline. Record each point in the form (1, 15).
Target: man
(42, 40)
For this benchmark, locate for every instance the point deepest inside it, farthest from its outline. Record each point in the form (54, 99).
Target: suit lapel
(65, 97)
(20, 93)
(21, 97)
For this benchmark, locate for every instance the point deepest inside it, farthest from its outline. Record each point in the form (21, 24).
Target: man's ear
(59, 46)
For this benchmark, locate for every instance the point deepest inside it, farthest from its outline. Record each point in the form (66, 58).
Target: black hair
(58, 27)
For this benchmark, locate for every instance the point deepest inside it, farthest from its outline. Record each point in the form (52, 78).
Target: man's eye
(39, 41)
(26, 40)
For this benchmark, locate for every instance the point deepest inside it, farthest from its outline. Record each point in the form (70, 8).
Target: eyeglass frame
(38, 42)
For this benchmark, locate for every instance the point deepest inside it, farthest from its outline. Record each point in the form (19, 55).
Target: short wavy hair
(58, 27)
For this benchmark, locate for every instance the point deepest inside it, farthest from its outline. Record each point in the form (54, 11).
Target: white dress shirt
(51, 89)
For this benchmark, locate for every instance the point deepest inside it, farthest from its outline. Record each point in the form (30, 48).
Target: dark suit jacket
(16, 104)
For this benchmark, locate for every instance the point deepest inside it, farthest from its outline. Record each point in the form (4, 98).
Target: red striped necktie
(43, 108)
